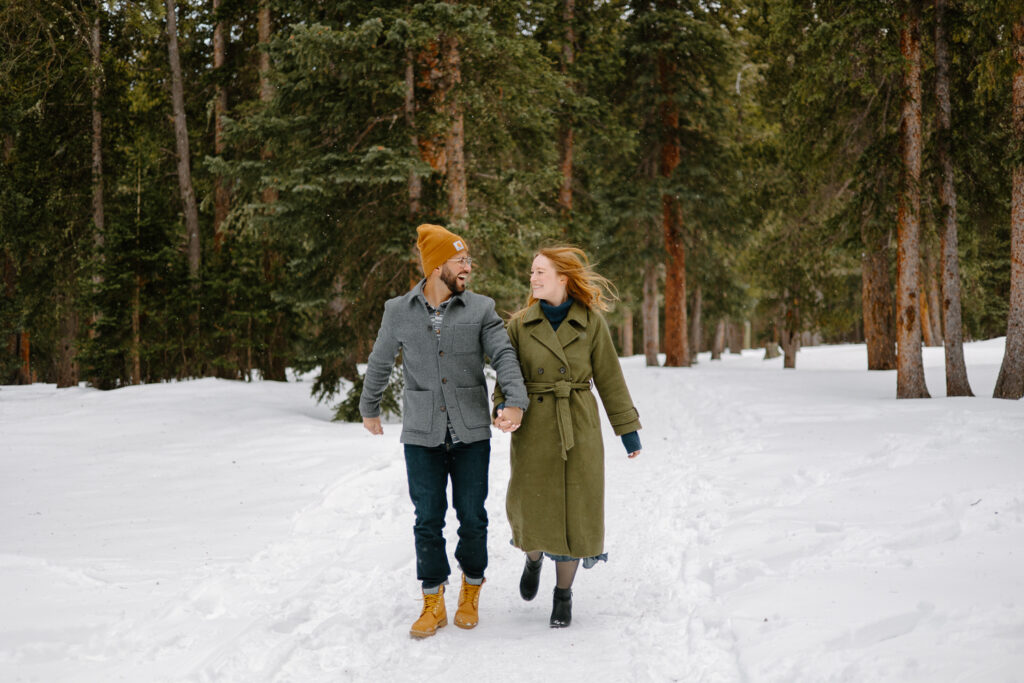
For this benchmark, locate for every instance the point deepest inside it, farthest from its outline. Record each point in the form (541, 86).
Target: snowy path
(779, 526)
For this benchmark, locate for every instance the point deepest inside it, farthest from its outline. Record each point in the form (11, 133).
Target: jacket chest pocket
(465, 338)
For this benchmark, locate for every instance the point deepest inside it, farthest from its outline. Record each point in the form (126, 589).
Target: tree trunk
(627, 332)
(676, 352)
(876, 302)
(910, 381)
(696, 331)
(135, 355)
(934, 302)
(263, 26)
(415, 183)
(719, 344)
(650, 313)
(188, 196)
(97, 145)
(67, 334)
(565, 134)
(735, 338)
(790, 332)
(454, 141)
(221, 197)
(1010, 383)
(923, 303)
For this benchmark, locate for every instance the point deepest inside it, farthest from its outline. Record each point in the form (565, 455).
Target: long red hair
(583, 283)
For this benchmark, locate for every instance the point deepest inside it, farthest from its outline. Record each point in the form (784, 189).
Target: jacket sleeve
(504, 360)
(498, 397)
(378, 368)
(608, 379)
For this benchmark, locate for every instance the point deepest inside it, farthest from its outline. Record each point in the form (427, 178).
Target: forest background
(232, 188)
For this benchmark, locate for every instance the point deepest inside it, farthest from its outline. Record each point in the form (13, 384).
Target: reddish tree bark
(565, 135)
(188, 196)
(454, 141)
(650, 313)
(676, 351)
(1010, 383)
(876, 302)
(221, 197)
(910, 381)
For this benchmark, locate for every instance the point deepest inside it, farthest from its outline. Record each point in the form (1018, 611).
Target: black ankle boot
(561, 608)
(530, 580)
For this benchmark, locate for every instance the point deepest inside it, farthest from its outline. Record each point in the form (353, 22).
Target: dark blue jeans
(428, 470)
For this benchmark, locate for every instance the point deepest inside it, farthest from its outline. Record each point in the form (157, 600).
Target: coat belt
(563, 411)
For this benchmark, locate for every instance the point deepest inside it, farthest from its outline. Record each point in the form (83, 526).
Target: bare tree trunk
(97, 145)
(67, 334)
(221, 197)
(263, 27)
(719, 343)
(650, 313)
(188, 196)
(790, 332)
(565, 134)
(676, 352)
(1010, 383)
(627, 331)
(454, 141)
(135, 350)
(957, 383)
(910, 381)
(735, 338)
(934, 302)
(415, 184)
(876, 301)
(926, 314)
(696, 331)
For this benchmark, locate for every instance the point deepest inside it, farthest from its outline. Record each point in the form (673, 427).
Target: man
(443, 333)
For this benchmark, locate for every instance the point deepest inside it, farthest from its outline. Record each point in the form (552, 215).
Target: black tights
(565, 572)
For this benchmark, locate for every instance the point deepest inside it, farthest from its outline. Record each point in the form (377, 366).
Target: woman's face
(545, 282)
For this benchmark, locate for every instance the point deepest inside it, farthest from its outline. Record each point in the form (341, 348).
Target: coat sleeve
(608, 379)
(498, 397)
(378, 368)
(504, 360)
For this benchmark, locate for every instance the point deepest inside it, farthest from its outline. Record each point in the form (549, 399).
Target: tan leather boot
(467, 615)
(433, 616)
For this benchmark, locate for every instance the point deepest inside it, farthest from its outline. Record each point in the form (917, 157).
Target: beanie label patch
(459, 246)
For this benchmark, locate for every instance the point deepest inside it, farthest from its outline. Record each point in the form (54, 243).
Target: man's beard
(451, 279)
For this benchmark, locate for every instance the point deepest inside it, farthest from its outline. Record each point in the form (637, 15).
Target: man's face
(455, 272)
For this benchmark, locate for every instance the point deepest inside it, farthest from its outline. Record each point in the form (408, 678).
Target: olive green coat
(555, 500)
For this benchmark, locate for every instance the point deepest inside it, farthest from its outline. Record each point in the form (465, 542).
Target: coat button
(540, 399)
(561, 370)
(540, 371)
(440, 353)
(443, 409)
(444, 380)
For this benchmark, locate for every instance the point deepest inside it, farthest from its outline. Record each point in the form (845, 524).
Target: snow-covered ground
(780, 525)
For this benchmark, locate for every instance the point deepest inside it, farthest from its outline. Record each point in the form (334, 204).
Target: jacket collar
(567, 332)
(417, 293)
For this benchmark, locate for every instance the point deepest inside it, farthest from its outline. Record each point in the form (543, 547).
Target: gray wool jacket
(442, 380)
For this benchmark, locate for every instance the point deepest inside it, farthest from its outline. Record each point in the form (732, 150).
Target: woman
(555, 501)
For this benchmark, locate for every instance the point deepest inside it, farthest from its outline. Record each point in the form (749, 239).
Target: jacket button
(440, 353)
(444, 380)
(540, 399)
(561, 370)
(442, 409)
(540, 371)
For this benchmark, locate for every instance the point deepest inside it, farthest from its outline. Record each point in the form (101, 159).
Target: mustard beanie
(436, 246)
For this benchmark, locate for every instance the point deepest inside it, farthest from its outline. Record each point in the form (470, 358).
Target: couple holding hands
(546, 359)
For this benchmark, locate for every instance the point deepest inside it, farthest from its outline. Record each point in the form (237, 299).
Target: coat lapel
(541, 330)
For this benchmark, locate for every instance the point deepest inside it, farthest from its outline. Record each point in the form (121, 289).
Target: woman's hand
(633, 454)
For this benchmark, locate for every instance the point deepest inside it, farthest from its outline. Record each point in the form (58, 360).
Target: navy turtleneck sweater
(555, 316)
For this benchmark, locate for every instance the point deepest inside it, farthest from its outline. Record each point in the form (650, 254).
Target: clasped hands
(508, 419)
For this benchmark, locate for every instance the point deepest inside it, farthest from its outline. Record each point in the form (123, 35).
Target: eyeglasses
(463, 261)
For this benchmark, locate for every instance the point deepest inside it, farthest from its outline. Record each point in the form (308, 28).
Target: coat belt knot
(562, 390)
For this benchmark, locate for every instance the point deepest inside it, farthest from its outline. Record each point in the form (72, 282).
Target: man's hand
(633, 454)
(509, 419)
(372, 425)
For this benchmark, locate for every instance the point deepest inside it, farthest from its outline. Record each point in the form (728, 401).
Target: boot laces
(431, 601)
(471, 592)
